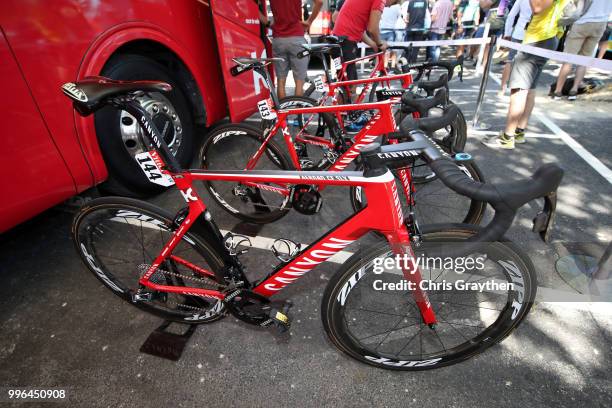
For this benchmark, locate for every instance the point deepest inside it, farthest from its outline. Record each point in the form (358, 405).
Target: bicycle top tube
(381, 106)
(319, 178)
(366, 57)
(407, 77)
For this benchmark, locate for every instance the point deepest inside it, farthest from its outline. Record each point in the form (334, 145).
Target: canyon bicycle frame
(381, 192)
(380, 123)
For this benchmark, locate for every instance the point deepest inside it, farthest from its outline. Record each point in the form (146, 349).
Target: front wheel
(369, 312)
(434, 202)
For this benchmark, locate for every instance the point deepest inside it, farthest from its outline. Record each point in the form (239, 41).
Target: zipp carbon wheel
(369, 313)
(118, 239)
(230, 147)
(312, 156)
(452, 138)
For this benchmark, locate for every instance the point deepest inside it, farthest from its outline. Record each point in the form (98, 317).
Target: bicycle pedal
(279, 315)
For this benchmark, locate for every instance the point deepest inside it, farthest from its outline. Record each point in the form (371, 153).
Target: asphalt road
(61, 329)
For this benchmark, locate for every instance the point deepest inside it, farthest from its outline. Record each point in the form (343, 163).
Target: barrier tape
(416, 30)
(467, 41)
(604, 65)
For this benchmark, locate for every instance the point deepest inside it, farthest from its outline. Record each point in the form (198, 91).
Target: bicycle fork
(401, 245)
(406, 260)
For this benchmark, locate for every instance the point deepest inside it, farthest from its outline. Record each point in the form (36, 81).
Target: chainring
(248, 306)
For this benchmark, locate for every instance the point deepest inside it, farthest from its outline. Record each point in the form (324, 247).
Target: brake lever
(543, 221)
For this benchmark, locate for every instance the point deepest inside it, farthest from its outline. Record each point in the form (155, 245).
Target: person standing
(388, 21)
(400, 24)
(288, 30)
(582, 39)
(416, 13)
(515, 33)
(468, 17)
(440, 17)
(543, 31)
(359, 20)
(603, 41)
(495, 17)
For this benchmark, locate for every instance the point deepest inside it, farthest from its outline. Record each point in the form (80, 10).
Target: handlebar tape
(505, 199)
(430, 124)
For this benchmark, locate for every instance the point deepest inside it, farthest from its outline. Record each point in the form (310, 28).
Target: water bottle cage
(285, 249)
(233, 241)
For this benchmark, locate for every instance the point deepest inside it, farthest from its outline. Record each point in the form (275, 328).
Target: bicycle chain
(204, 281)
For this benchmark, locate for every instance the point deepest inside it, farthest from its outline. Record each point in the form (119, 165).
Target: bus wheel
(120, 136)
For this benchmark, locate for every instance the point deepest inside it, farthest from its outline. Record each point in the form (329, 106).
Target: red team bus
(49, 153)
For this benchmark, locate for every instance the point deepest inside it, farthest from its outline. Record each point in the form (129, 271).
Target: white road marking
(528, 135)
(591, 160)
(588, 157)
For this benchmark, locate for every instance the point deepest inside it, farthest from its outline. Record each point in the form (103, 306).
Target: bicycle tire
(115, 236)
(229, 147)
(427, 198)
(324, 125)
(346, 288)
(455, 138)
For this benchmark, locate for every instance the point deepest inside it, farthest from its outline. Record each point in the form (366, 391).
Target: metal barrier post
(484, 80)
(485, 34)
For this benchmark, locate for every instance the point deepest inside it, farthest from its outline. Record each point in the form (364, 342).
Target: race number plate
(152, 170)
(265, 109)
(320, 86)
(336, 64)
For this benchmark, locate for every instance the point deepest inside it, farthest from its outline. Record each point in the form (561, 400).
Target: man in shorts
(495, 17)
(603, 42)
(288, 36)
(543, 31)
(354, 19)
(514, 31)
(582, 39)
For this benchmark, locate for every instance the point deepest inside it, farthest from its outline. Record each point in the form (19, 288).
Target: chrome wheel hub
(164, 117)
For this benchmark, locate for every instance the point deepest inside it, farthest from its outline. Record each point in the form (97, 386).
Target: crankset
(258, 310)
(306, 199)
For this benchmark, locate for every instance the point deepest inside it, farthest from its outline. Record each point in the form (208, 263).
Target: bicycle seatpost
(328, 73)
(261, 70)
(152, 135)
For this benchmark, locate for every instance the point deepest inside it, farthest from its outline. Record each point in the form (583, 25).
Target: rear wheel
(118, 239)
(230, 147)
(380, 324)
(312, 156)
